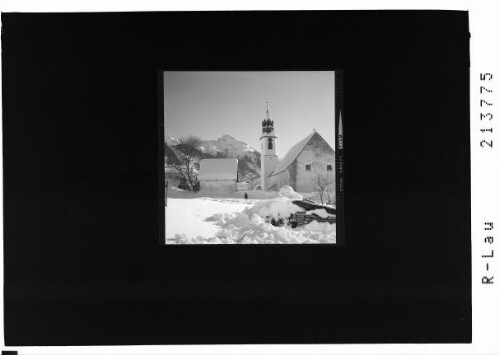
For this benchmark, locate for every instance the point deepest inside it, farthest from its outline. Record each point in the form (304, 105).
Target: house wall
(292, 174)
(243, 186)
(225, 186)
(318, 154)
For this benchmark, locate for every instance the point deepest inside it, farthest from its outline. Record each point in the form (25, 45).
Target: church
(308, 163)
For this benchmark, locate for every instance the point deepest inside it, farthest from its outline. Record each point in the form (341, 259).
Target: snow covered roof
(293, 153)
(218, 169)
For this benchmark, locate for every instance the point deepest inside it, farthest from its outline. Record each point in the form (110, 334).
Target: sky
(210, 104)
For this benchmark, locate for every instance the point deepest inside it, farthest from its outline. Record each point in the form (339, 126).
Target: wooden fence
(303, 218)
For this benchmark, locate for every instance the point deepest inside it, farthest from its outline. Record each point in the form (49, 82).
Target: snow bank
(251, 227)
(238, 221)
(321, 213)
(324, 228)
(287, 191)
(276, 208)
(185, 239)
(185, 218)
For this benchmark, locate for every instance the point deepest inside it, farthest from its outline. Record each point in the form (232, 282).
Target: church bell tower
(269, 158)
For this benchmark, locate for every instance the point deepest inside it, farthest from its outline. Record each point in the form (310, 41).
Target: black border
(340, 161)
(161, 158)
(82, 264)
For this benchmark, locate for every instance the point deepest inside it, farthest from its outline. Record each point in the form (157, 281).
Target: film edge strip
(339, 157)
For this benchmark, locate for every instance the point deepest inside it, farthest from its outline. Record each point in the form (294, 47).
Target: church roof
(293, 153)
(218, 169)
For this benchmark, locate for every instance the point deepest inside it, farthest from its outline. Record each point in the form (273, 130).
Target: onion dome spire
(267, 123)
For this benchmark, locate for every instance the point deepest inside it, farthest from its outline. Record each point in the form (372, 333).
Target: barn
(218, 175)
(308, 163)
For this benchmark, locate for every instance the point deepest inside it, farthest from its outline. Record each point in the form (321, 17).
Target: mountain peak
(225, 144)
(226, 137)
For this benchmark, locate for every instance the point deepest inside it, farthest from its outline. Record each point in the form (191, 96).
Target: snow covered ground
(227, 220)
(186, 218)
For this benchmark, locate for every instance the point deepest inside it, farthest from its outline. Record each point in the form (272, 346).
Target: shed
(218, 174)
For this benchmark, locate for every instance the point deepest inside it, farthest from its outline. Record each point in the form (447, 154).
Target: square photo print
(252, 157)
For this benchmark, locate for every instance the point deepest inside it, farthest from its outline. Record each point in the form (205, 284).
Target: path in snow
(187, 216)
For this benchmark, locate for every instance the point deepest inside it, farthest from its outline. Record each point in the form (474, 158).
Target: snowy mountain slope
(171, 141)
(228, 145)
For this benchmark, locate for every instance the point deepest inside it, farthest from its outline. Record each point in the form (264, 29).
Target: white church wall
(269, 159)
(269, 162)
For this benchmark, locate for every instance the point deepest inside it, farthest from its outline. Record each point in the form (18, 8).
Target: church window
(308, 167)
(329, 167)
(270, 143)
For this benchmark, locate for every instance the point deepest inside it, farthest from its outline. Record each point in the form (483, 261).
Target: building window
(270, 143)
(308, 167)
(329, 167)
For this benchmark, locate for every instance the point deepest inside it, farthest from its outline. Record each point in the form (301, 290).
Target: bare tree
(187, 165)
(320, 183)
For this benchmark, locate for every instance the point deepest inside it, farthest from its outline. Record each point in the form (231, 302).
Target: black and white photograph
(250, 157)
(253, 179)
